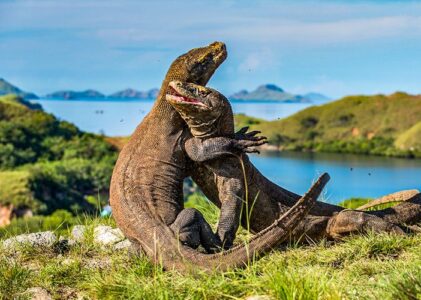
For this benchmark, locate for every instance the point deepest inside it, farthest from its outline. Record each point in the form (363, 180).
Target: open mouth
(175, 96)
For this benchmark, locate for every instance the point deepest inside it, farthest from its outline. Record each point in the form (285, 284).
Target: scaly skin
(222, 181)
(146, 186)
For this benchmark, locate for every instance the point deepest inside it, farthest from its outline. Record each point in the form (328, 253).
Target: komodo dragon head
(197, 65)
(199, 106)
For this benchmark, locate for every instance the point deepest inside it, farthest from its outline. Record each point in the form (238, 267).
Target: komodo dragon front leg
(190, 226)
(229, 176)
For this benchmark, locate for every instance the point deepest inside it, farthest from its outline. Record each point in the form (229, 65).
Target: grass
(354, 203)
(364, 267)
(372, 266)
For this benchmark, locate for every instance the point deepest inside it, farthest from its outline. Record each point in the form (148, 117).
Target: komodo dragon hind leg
(192, 230)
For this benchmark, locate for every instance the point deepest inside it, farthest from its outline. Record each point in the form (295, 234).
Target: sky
(336, 48)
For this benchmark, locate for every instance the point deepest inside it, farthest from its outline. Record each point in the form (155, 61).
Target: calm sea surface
(352, 175)
(120, 118)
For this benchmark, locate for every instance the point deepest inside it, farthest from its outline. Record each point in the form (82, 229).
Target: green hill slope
(47, 164)
(379, 124)
(410, 139)
(8, 88)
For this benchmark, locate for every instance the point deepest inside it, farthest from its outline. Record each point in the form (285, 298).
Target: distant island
(272, 92)
(93, 94)
(134, 94)
(265, 92)
(70, 95)
(8, 88)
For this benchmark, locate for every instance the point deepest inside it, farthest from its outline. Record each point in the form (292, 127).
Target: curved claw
(261, 138)
(243, 130)
(252, 133)
(252, 151)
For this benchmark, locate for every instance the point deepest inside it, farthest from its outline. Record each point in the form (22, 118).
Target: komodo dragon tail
(162, 246)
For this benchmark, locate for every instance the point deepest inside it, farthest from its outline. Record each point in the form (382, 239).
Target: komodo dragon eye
(203, 93)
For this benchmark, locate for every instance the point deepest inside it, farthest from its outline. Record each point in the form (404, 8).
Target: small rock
(37, 293)
(100, 264)
(78, 233)
(123, 245)
(38, 239)
(106, 235)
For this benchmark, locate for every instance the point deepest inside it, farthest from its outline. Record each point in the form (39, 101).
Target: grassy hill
(8, 88)
(379, 124)
(47, 164)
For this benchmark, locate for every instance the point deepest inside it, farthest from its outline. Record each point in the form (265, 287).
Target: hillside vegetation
(379, 124)
(48, 164)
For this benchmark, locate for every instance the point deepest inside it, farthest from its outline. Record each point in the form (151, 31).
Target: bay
(352, 175)
(120, 118)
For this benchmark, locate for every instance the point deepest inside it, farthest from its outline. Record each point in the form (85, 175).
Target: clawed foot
(246, 141)
(242, 134)
(247, 146)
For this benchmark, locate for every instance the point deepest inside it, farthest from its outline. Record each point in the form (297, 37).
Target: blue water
(352, 175)
(120, 118)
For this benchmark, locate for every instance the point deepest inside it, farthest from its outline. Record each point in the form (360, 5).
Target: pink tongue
(189, 99)
(182, 98)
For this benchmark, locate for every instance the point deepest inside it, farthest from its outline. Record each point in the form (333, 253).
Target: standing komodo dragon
(207, 112)
(146, 186)
(223, 181)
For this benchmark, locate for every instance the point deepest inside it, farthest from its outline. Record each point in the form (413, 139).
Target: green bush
(15, 189)
(29, 136)
(65, 184)
(49, 164)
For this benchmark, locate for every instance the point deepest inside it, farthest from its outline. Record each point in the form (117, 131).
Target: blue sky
(333, 47)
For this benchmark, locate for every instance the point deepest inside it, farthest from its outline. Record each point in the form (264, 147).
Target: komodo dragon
(146, 185)
(221, 178)
(206, 112)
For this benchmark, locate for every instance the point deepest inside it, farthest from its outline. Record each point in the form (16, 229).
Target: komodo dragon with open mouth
(222, 180)
(146, 185)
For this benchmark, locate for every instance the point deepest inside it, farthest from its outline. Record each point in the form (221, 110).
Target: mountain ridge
(264, 92)
(72, 95)
(131, 93)
(272, 92)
